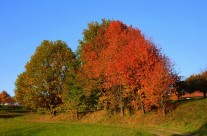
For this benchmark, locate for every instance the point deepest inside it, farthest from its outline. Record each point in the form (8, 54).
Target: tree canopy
(44, 80)
(115, 68)
(125, 65)
(4, 98)
(197, 82)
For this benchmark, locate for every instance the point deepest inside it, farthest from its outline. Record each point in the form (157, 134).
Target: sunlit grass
(189, 117)
(21, 127)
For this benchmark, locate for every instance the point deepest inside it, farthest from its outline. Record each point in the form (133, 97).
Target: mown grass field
(189, 118)
(21, 127)
(18, 122)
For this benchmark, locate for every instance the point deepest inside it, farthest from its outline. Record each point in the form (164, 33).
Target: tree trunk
(143, 109)
(51, 111)
(76, 114)
(122, 110)
(178, 97)
(164, 108)
(204, 94)
(120, 100)
(54, 112)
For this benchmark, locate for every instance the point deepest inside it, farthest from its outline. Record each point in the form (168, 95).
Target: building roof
(194, 94)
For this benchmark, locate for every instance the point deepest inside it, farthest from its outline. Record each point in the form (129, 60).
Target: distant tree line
(115, 68)
(195, 82)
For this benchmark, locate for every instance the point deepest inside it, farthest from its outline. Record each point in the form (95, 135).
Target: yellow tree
(44, 81)
(24, 92)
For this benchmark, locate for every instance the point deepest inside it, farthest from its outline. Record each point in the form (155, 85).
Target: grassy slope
(189, 117)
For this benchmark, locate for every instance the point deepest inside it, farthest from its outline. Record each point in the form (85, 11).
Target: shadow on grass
(183, 101)
(11, 111)
(202, 131)
(6, 116)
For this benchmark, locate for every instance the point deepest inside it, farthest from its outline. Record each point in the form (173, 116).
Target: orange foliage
(4, 97)
(128, 63)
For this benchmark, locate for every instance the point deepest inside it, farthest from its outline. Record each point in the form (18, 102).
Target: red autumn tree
(4, 97)
(158, 83)
(131, 68)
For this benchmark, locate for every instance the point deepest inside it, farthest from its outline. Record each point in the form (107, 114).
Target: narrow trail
(164, 132)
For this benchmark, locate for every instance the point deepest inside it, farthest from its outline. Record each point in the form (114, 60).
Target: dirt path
(164, 132)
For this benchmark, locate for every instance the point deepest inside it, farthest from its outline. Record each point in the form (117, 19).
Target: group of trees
(195, 82)
(198, 82)
(128, 70)
(115, 68)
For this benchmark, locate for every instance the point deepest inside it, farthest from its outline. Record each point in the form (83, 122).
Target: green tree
(197, 82)
(76, 97)
(44, 81)
(74, 91)
(204, 83)
(180, 87)
(92, 42)
(24, 92)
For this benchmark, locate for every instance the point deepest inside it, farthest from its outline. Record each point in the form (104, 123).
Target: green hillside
(188, 118)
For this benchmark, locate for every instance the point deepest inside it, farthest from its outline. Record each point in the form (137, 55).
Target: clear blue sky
(179, 27)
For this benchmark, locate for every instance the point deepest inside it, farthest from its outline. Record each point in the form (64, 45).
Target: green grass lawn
(21, 127)
(190, 117)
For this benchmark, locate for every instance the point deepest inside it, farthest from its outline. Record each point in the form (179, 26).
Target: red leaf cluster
(120, 55)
